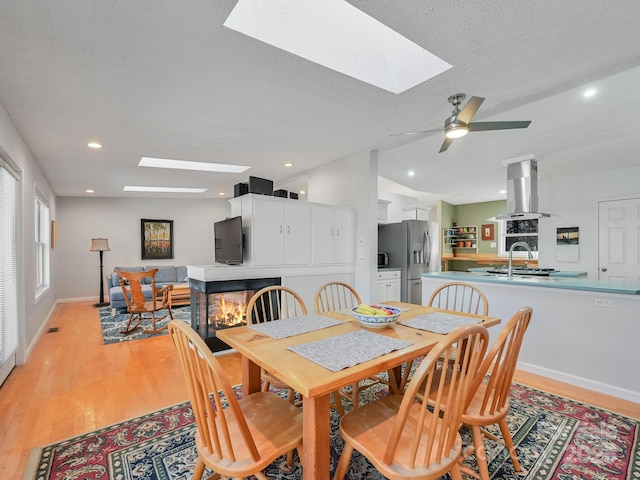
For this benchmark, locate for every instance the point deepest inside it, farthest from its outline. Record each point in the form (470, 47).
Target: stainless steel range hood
(522, 189)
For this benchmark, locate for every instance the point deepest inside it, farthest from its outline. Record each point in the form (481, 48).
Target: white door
(268, 232)
(297, 233)
(343, 237)
(323, 234)
(619, 229)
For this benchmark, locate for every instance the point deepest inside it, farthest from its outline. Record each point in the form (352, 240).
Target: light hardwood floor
(72, 384)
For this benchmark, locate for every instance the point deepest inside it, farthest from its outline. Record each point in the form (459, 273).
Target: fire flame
(230, 312)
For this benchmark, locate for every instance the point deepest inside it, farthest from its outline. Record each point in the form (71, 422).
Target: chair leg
(455, 472)
(508, 441)
(343, 464)
(481, 453)
(355, 395)
(153, 328)
(199, 470)
(405, 376)
(129, 328)
(338, 403)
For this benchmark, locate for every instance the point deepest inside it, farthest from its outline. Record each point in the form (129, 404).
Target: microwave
(383, 259)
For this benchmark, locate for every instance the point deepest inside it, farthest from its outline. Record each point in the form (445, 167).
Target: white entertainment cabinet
(281, 231)
(305, 244)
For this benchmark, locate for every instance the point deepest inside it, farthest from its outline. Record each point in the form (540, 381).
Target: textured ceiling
(166, 79)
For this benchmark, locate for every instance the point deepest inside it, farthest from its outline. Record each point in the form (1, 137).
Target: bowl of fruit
(376, 316)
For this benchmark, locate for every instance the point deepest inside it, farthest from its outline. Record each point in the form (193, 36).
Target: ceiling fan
(459, 123)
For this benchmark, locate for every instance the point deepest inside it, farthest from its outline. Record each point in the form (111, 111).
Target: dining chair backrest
(274, 303)
(222, 426)
(500, 364)
(334, 296)
(461, 297)
(427, 434)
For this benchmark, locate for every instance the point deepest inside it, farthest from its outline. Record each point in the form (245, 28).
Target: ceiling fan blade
(470, 109)
(415, 133)
(482, 126)
(445, 144)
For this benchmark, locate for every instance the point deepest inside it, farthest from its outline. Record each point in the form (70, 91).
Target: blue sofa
(166, 275)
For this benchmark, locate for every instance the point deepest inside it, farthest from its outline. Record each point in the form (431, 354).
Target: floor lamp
(100, 245)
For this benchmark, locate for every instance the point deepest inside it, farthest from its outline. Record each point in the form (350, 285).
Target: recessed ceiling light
(130, 188)
(288, 164)
(336, 35)
(411, 173)
(186, 165)
(95, 145)
(502, 191)
(221, 194)
(89, 190)
(589, 92)
(302, 192)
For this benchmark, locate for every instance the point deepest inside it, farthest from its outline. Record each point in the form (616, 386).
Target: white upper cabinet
(332, 237)
(282, 231)
(277, 231)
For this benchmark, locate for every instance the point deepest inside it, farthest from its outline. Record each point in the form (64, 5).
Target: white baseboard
(79, 299)
(581, 382)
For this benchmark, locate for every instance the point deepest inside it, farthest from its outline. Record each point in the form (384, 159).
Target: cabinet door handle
(288, 229)
(332, 232)
(280, 228)
(337, 232)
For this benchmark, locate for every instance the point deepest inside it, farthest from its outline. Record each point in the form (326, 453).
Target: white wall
(32, 315)
(574, 200)
(118, 220)
(352, 182)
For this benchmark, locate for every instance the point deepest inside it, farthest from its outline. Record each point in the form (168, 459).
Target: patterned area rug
(112, 325)
(555, 438)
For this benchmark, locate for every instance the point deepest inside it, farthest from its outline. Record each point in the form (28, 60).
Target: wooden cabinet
(332, 239)
(277, 230)
(460, 239)
(388, 286)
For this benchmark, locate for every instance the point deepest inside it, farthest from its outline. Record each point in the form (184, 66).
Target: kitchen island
(583, 332)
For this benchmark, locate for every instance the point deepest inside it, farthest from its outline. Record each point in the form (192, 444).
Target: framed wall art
(156, 239)
(487, 231)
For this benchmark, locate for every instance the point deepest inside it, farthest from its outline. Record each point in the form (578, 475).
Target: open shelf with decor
(463, 238)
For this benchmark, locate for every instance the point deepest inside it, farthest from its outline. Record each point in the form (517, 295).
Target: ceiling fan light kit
(459, 123)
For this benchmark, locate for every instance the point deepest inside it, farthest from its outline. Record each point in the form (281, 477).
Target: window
(42, 245)
(512, 231)
(9, 262)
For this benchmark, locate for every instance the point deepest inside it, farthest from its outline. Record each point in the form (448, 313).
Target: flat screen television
(228, 241)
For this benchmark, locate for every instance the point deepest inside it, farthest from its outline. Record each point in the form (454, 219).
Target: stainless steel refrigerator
(414, 247)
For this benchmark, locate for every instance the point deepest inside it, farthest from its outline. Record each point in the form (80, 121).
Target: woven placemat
(347, 350)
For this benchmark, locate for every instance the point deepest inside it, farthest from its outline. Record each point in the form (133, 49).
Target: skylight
(186, 165)
(131, 188)
(336, 35)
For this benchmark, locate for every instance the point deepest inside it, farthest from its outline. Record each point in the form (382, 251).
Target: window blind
(8, 260)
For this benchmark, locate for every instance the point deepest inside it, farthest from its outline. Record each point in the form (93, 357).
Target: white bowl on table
(377, 321)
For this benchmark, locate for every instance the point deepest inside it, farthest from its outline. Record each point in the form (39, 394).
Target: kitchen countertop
(561, 282)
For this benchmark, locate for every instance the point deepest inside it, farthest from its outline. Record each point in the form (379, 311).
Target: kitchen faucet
(513, 247)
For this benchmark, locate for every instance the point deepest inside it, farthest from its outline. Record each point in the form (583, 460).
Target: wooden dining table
(314, 382)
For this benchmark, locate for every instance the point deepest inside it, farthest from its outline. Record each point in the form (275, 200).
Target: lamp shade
(99, 245)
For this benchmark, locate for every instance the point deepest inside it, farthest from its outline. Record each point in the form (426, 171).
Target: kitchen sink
(534, 278)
